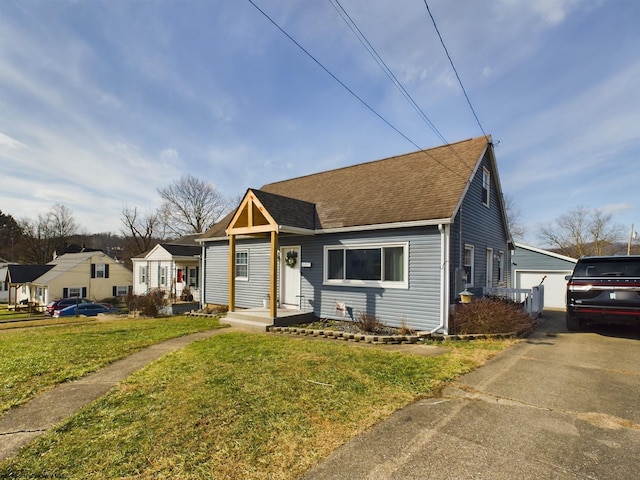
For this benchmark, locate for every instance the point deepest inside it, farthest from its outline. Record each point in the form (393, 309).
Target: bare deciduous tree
(582, 231)
(140, 229)
(48, 234)
(190, 205)
(514, 213)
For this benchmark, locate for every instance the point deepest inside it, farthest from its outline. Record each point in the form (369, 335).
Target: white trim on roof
(357, 228)
(546, 252)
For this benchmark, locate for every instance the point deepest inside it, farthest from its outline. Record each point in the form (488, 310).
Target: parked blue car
(84, 309)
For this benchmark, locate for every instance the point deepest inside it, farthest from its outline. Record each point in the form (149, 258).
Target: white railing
(532, 299)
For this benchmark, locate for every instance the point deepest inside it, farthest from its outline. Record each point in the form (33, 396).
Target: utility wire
(454, 68)
(353, 93)
(333, 76)
(372, 51)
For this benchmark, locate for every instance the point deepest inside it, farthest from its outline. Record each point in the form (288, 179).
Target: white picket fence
(532, 299)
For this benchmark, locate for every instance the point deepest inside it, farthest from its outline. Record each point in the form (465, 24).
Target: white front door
(290, 277)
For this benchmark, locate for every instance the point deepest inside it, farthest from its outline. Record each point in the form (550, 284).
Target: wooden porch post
(273, 294)
(232, 273)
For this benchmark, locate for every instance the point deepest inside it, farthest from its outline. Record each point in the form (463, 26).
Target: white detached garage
(530, 265)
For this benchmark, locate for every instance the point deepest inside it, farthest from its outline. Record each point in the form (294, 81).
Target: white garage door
(555, 286)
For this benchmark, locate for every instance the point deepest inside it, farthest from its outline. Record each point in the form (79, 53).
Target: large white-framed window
(486, 186)
(468, 264)
(371, 265)
(242, 265)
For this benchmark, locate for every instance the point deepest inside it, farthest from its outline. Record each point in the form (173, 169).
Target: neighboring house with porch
(92, 274)
(531, 266)
(23, 285)
(173, 268)
(397, 238)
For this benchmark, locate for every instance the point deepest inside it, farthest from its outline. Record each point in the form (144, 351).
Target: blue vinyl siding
(483, 227)
(525, 259)
(418, 305)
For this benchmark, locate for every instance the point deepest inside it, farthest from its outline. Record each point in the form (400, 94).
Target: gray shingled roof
(182, 250)
(424, 185)
(18, 274)
(288, 211)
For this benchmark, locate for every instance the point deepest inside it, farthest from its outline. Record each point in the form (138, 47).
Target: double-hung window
(142, 271)
(162, 275)
(486, 186)
(367, 265)
(242, 265)
(468, 264)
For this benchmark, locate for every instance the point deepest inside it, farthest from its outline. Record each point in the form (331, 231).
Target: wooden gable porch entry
(263, 214)
(253, 219)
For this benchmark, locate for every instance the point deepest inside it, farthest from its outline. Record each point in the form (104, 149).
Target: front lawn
(36, 359)
(239, 405)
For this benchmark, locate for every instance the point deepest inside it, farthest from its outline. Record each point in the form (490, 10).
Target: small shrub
(404, 328)
(491, 315)
(148, 305)
(368, 323)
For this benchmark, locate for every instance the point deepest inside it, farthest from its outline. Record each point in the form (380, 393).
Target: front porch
(261, 319)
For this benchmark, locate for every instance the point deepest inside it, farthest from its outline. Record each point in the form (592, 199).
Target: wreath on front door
(291, 258)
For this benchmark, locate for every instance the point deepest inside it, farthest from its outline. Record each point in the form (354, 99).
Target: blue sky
(101, 103)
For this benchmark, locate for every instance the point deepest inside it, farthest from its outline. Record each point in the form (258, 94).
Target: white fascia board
(386, 226)
(546, 252)
(357, 228)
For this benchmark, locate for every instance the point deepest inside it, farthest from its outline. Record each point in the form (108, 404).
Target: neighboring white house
(4, 286)
(169, 267)
(530, 265)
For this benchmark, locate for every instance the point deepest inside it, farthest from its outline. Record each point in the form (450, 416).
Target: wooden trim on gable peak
(251, 218)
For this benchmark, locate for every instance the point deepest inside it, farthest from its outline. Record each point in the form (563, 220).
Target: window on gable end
(486, 186)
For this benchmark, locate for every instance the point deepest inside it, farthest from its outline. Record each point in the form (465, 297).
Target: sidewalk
(21, 425)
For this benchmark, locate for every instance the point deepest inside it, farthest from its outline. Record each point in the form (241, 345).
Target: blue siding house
(397, 238)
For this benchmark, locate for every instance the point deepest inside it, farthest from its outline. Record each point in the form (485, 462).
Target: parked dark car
(82, 309)
(604, 290)
(60, 303)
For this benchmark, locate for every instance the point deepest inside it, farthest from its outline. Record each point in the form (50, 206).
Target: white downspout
(444, 277)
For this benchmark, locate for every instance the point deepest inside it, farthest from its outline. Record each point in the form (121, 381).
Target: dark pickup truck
(604, 290)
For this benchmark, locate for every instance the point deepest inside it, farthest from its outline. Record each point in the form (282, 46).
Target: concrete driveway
(559, 405)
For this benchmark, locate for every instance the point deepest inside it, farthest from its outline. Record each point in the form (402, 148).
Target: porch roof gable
(262, 212)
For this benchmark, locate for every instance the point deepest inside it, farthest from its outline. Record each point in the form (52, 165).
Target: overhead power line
(454, 67)
(369, 107)
(372, 51)
(333, 76)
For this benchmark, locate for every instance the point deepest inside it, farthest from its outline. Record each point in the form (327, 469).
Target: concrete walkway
(559, 405)
(23, 424)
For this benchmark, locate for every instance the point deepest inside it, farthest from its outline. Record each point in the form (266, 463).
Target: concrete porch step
(247, 322)
(259, 319)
